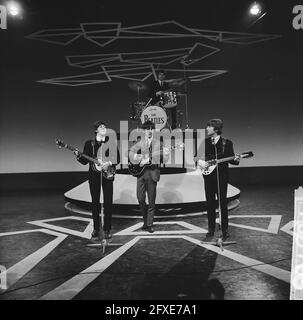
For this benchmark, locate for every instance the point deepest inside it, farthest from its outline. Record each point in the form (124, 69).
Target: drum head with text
(155, 114)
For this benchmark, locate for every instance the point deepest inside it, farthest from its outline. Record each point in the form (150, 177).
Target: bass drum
(155, 114)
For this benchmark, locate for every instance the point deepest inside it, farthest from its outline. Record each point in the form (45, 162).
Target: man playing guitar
(215, 145)
(91, 149)
(147, 181)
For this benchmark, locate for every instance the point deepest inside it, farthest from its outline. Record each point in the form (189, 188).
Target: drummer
(157, 89)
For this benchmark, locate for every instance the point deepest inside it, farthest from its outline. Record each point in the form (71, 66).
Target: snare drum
(156, 114)
(169, 99)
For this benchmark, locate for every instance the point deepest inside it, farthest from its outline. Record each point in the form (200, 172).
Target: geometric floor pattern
(72, 287)
(62, 266)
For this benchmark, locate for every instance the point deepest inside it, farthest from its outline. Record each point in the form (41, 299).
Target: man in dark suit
(92, 148)
(156, 93)
(158, 87)
(141, 153)
(223, 148)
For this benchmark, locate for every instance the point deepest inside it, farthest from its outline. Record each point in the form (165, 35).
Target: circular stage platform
(179, 190)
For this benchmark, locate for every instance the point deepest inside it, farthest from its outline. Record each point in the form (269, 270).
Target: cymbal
(177, 82)
(137, 85)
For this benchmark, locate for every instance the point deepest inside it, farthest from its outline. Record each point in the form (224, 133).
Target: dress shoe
(108, 235)
(210, 234)
(144, 227)
(225, 235)
(208, 237)
(150, 229)
(95, 235)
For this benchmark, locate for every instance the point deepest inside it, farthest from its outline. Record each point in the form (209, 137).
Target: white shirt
(148, 141)
(103, 139)
(217, 139)
(99, 140)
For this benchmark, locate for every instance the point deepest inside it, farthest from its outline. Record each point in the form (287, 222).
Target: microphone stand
(185, 96)
(138, 93)
(186, 105)
(220, 239)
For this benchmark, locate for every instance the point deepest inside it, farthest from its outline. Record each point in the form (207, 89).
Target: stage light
(255, 9)
(13, 8)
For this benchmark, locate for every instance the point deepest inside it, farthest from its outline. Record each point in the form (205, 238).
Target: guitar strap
(223, 145)
(93, 145)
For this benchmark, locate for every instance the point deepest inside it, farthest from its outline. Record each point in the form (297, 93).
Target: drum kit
(142, 111)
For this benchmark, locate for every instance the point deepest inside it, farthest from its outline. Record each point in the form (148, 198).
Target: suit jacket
(141, 147)
(154, 88)
(91, 148)
(209, 153)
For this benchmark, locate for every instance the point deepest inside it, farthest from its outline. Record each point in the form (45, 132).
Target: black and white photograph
(151, 152)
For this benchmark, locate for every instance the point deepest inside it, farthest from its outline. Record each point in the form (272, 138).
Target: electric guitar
(97, 164)
(212, 164)
(136, 170)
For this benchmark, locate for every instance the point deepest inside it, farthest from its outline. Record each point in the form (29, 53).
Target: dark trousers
(95, 189)
(145, 184)
(211, 190)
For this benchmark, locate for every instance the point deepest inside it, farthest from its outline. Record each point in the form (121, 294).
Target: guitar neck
(156, 153)
(242, 155)
(90, 158)
(226, 159)
(82, 154)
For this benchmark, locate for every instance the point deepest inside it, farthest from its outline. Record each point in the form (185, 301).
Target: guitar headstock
(248, 154)
(60, 143)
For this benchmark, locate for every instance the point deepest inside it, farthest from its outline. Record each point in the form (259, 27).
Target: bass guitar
(210, 165)
(97, 164)
(136, 169)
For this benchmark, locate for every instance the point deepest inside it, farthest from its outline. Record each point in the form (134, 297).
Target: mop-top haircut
(217, 124)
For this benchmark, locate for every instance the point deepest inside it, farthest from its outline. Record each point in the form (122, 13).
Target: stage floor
(44, 247)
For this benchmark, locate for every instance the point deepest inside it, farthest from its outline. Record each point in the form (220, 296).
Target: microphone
(212, 140)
